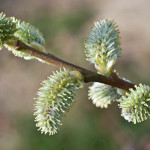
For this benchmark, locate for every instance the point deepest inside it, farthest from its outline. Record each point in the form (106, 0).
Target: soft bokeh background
(65, 25)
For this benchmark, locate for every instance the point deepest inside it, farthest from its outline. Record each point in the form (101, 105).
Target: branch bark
(89, 76)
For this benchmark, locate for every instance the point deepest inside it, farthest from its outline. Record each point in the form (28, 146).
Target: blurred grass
(85, 135)
(139, 130)
(51, 25)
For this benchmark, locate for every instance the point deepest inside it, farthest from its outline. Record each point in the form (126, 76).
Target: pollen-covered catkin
(55, 98)
(136, 104)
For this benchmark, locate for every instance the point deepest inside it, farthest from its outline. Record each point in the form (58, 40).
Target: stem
(89, 76)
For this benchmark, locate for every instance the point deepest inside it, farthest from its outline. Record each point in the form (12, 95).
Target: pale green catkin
(136, 104)
(29, 35)
(102, 95)
(55, 98)
(7, 29)
(103, 46)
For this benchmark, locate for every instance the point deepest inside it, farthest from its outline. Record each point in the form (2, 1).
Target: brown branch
(89, 76)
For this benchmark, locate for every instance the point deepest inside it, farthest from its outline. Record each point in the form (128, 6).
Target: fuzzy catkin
(29, 35)
(55, 98)
(102, 95)
(103, 46)
(7, 29)
(135, 105)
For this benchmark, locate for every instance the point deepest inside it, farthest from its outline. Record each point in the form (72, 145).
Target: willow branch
(89, 76)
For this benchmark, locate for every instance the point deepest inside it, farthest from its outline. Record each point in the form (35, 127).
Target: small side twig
(89, 76)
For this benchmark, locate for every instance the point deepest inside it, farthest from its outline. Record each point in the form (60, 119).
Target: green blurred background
(65, 25)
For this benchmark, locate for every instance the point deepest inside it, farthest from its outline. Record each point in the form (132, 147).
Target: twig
(89, 76)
